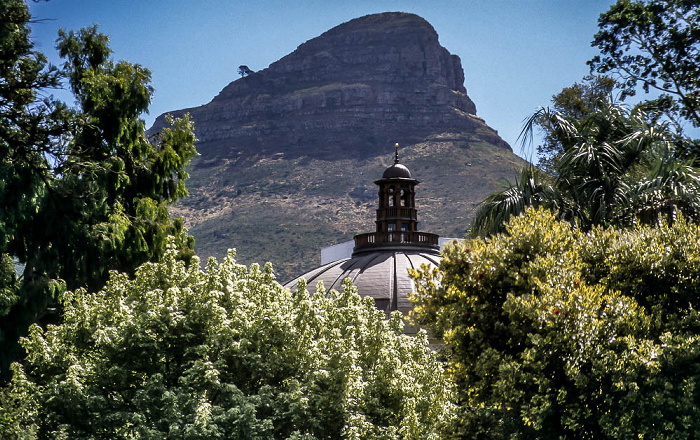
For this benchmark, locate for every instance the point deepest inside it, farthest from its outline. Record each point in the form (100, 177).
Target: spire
(396, 153)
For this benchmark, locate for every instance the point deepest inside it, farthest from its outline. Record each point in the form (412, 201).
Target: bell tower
(397, 220)
(397, 199)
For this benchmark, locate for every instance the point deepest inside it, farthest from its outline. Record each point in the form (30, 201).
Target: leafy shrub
(556, 333)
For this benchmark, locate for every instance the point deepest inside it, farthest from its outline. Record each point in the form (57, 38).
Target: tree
(575, 102)
(655, 43)
(82, 190)
(616, 166)
(29, 124)
(612, 165)
(553, 333)
(532, 188)
(244, 71)
(178, 352)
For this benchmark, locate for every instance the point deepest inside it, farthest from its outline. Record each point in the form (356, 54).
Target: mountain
(289, 154)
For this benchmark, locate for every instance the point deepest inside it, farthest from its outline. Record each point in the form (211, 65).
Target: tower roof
(397, 170)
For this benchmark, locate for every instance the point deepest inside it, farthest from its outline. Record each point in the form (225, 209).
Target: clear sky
(516, 54)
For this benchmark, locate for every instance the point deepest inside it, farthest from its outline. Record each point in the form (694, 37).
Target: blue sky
(515, 54)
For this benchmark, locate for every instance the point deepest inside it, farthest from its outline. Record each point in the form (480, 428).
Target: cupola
(397, 219)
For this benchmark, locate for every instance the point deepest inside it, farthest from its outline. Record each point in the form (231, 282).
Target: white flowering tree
(178, 352)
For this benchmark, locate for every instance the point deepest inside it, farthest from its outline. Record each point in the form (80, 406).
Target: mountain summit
(347, 93)
(289, 153)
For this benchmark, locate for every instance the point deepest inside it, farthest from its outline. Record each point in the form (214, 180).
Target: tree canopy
(178, 352)
(83, 190)
(609, 164)
(616, 166)
(575, 103)
(655, 43)
(577, 316)
(244, 71)
(553, 333)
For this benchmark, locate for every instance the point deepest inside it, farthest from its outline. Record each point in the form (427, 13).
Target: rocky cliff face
(289, 153)
(362, 85)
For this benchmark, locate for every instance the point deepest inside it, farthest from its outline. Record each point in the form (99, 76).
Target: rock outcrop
(289, 153)
(347, 93)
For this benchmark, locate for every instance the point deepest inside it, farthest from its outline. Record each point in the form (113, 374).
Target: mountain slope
(289, 154)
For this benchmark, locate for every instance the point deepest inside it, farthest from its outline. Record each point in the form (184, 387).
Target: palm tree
(617, 166)
(532, 187)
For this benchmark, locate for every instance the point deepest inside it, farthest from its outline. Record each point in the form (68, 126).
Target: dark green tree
(244, 71)
(82, 190)
(655, 43)
(532, 187)
(609, 164)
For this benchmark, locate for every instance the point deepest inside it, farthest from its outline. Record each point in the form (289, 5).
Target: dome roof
(396, 170)
(382, 275)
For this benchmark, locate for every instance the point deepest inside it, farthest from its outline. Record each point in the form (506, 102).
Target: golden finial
(396, 153)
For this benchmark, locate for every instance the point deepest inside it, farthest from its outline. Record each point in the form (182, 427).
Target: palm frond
(529, 189)
(616, 166)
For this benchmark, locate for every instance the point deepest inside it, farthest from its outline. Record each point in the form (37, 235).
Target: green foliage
(8, 284)
(556, 333)
(532, 187)
(575, 102)
(655, 43)
(616, 166)
(82, 191)
(613, 165)
(178, 352)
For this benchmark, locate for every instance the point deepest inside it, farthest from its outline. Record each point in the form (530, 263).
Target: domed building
(380, 260)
